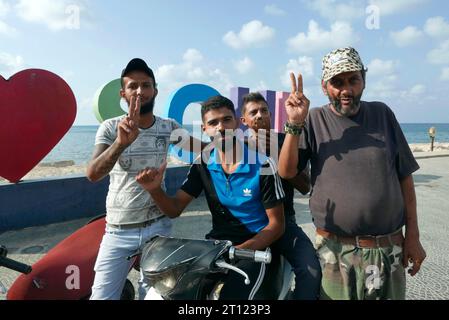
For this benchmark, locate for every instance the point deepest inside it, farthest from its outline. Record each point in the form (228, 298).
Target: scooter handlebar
(247, 254)
(15, 265)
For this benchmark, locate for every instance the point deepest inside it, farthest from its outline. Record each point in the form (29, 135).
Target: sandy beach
(68, 168)
(425, 147)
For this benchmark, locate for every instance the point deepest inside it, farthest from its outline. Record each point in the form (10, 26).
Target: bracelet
(293, 129)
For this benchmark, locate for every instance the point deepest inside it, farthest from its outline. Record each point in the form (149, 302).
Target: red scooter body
(54, 277)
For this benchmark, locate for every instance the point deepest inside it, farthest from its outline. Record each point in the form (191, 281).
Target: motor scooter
(188, 269)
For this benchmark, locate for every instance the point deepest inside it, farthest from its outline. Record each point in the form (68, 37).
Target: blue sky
(255, 44)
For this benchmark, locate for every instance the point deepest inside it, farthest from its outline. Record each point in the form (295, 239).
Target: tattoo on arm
(108, 159)
(104, 160)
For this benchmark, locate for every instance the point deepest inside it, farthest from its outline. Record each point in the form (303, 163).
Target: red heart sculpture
(38, 109)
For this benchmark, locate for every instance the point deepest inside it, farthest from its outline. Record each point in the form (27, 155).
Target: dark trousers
(298, 250)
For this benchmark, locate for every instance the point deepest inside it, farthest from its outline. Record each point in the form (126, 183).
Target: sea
(78, 144)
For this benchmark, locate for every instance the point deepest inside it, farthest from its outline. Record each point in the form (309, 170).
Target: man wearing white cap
(362, 186)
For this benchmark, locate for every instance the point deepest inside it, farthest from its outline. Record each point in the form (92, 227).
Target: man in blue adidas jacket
(242, 188)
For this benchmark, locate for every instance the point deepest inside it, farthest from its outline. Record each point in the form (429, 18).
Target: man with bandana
(124, 146)
(362, 185)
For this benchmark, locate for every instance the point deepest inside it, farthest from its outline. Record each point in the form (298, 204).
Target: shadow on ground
(425, 178)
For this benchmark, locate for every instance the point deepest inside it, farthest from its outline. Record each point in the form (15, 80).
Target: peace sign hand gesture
(128, 128)
(297, 104)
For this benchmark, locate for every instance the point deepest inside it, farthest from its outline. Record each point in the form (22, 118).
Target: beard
(145, 108)
(348, 111)
(148, 107)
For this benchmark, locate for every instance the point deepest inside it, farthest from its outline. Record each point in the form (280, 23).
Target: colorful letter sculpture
(38, 109)
(177, 104)
(181, 98)
(107, 101)
(275, 101)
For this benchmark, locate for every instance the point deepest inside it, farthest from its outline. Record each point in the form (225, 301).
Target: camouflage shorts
(352, 273)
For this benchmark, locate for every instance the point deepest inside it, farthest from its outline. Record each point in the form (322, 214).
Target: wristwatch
(293, 129)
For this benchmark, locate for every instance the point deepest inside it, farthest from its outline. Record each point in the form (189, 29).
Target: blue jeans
(112, 266)
(297, 248)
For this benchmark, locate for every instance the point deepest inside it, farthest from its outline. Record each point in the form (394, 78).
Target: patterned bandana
(340, 61)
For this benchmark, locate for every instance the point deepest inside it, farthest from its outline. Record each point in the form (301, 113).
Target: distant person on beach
(362, 186)
(243, 191)
(124, 146)
(295, 245)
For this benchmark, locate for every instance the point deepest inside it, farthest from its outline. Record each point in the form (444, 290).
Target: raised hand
(297, 104)
(151, 178)
(128, 128)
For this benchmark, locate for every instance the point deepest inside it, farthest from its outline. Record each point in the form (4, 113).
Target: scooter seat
(55, 276)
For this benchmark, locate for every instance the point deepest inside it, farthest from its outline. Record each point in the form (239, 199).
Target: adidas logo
(247, 192)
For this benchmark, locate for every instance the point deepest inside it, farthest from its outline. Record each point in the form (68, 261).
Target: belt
(135, 225)
(382, 241)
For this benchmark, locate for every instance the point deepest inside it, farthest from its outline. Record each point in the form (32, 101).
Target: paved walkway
(432, 188)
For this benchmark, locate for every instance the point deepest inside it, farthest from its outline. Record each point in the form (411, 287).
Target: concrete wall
(41, 202)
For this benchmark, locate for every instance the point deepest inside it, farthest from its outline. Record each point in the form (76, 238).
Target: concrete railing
(429, 155)
(40, 202)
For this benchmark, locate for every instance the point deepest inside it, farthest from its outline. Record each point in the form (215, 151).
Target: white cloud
(439, 55)
(415, 92)
(56, 15)
(382, 79)
(274, 10)
(261, 86)
(192, 69)
(187, 71)
(4, 8)
(388, 88)
(378, 67)
(7, 30)
(408, 36)
(437, 27)
(385, 87)
(10, 64)
(389, 7)
(334, 10)
(244, 66)
(445, 74)
(316, 39)
(252, 34)
(192, 56)
(302, 64)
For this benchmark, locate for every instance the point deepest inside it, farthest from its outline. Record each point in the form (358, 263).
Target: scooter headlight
(166, 281)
